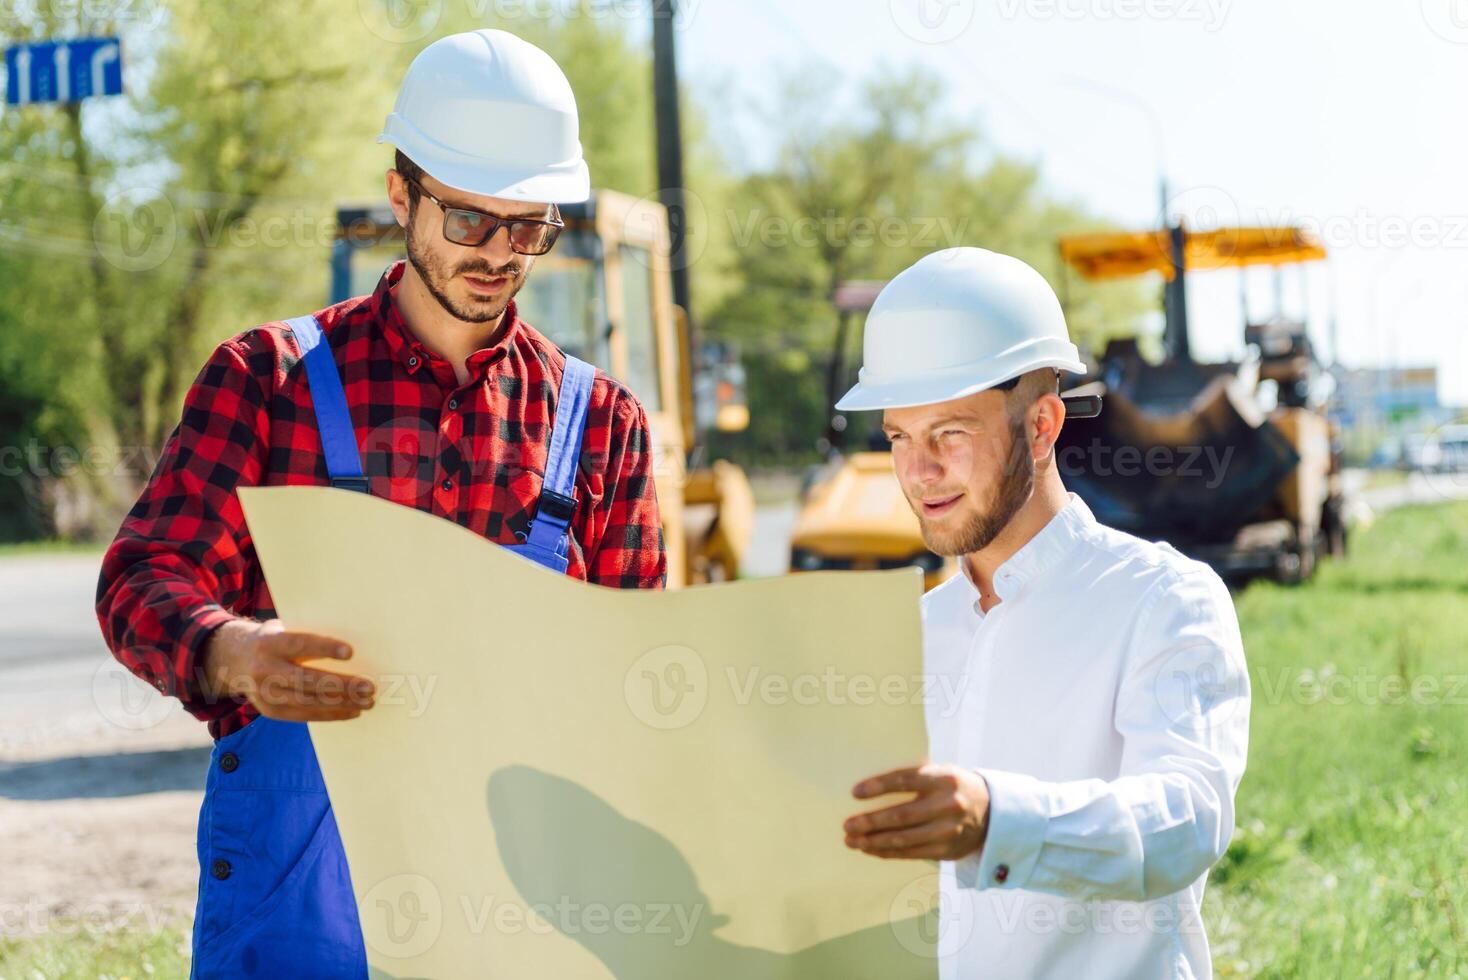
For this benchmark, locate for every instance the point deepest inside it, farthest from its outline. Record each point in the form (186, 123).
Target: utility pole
(670, 153)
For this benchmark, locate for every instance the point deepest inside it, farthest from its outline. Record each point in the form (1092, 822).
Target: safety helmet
(955, 323)
(488, 113)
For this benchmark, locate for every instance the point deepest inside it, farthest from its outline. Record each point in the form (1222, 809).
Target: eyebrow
(945, 420)
(541, 215)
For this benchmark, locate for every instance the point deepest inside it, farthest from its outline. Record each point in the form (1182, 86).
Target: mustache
(509, 270)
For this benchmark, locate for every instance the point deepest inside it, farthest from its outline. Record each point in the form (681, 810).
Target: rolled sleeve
(182, 555)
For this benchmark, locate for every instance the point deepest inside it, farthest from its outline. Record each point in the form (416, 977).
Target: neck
(1048, 500)
(438, 329)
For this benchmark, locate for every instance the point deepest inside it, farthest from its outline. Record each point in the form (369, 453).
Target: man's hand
(260, 661)
(947, 820)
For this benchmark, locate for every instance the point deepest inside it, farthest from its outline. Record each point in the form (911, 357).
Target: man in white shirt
(1083, 775)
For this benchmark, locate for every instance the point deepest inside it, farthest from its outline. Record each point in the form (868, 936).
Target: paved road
(57, 681)
(50, 647)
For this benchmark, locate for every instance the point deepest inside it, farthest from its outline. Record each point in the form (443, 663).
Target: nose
(920, 467)
(496, 249)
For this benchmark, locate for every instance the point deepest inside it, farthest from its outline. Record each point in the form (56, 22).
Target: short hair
(411, 172)
(1023, 391)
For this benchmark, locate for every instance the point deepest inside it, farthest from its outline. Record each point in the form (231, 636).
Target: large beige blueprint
(563, 780)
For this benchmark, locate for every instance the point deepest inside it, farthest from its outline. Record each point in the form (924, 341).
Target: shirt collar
(409, 351)
(1051, 545)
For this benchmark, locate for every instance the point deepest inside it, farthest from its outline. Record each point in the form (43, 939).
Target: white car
(1453, 447)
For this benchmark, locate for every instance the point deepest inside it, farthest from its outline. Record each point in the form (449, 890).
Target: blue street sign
(63, 71)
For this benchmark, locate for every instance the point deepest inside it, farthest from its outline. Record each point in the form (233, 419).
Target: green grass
(83, 954)
(1349, 858)
(1384, 478)
(1351, 855)
(10, 549)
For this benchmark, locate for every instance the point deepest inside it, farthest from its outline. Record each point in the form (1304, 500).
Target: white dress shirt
(1105, 701)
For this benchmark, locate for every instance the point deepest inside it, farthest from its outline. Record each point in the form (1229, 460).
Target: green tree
(862, 193)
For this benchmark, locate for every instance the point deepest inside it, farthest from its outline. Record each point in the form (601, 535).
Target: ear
(397, 196)
(1047, 416)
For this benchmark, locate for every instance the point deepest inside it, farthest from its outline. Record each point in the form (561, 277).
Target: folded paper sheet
(563, 780)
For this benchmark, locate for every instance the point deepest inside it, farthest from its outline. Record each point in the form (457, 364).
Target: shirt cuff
(189, 678)
(1018, 816)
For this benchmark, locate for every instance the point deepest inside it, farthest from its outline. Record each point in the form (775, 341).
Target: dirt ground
(98, 827)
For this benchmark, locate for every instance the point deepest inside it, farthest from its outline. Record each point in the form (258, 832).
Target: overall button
(229, 762)
(220, 869)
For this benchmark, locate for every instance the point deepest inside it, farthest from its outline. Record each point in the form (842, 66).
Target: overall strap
(558, 493)
(338, 437)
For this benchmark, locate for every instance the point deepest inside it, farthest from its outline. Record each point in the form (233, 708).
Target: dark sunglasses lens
(465, 227)
(531, 237)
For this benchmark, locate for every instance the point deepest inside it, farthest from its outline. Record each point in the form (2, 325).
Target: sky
(1346, 117)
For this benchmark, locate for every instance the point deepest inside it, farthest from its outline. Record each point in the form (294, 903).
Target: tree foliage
(139, 232)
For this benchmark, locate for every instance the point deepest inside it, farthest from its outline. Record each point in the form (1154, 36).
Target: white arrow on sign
(104, 55)
(23, 69)
(63, 73)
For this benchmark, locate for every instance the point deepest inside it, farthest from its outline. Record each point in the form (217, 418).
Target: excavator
(604, 294)
(1233, 463)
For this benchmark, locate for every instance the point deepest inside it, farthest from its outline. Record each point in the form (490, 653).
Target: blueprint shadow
(568, 852)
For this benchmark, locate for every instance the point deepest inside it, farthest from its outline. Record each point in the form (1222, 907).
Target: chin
(941, 540)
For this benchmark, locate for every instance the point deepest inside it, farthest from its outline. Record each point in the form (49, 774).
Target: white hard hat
(488, 113)
(957, 322)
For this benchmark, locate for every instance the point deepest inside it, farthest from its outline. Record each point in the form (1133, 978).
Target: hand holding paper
(571, 781)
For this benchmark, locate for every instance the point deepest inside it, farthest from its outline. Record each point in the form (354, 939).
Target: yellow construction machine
(1233, 463)
(604, 294)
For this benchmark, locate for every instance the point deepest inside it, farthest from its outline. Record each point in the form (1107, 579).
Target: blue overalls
(275, 897)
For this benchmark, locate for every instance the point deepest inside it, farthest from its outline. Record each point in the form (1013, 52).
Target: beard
(980, 530)
(437, 274)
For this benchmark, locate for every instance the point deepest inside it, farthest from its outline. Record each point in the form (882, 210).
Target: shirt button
(453, 403)
(413, 361)
(1001, 873)
(229, 762)
(220, 869)
(447, 485)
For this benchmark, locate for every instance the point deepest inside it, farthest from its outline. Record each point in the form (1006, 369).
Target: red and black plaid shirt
(183, 562)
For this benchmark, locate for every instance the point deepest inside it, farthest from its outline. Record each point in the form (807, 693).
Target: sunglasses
(462, 226)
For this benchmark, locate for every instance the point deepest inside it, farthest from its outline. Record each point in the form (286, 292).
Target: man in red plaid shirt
(436, 370)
